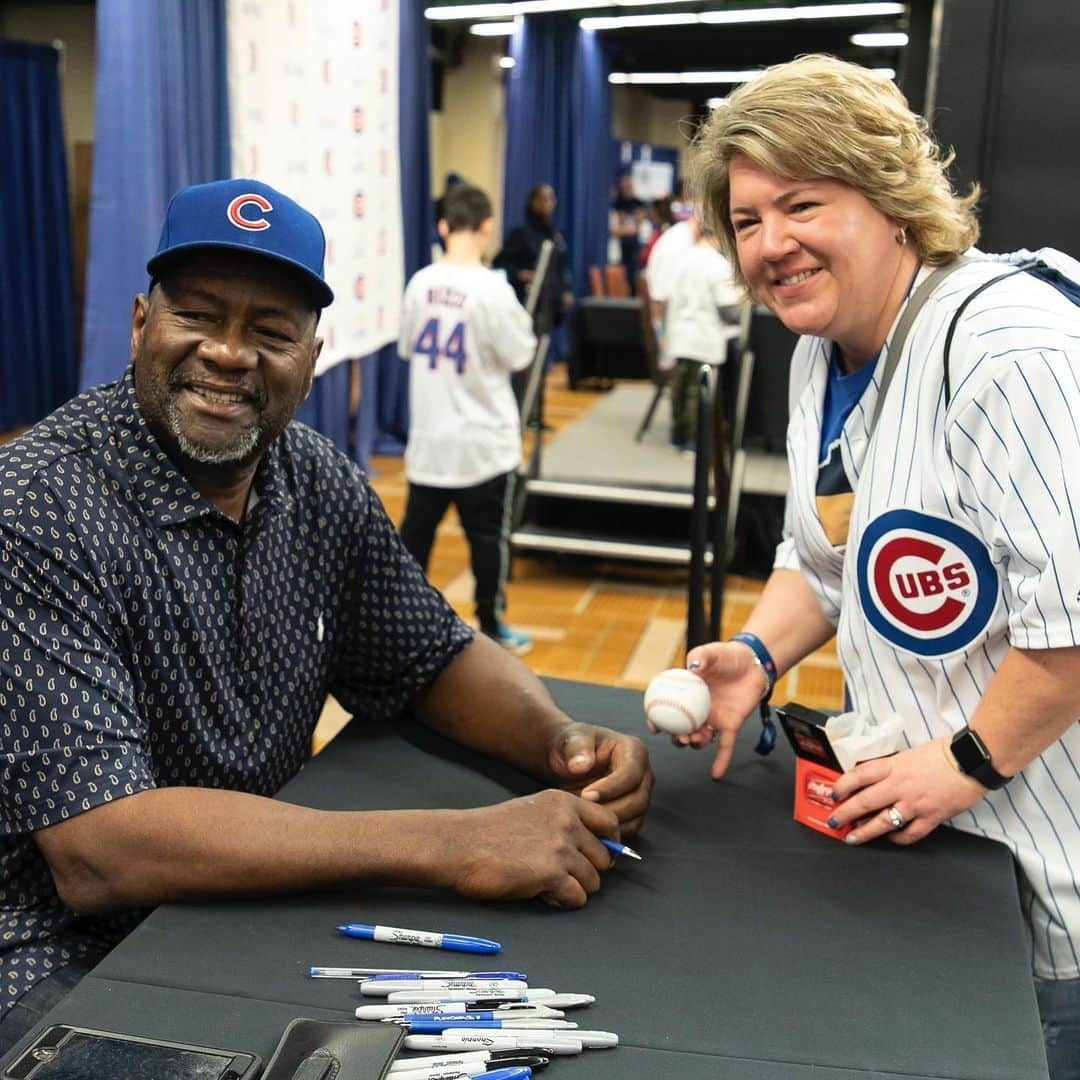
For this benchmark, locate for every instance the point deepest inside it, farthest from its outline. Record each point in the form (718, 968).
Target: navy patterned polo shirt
(147, 639)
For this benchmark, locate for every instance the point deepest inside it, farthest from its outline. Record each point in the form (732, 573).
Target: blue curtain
(161, 122)
(591, 178)
(558, 132)
(37, 322)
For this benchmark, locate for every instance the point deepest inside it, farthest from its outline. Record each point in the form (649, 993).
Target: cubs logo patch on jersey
(926, 585)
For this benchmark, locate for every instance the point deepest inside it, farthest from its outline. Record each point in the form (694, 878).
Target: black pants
(683, 387)
(485, 511)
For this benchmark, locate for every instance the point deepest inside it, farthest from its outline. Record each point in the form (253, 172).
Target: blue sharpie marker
(431, 939)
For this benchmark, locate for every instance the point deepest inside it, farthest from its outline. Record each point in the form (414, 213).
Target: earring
(901, 236)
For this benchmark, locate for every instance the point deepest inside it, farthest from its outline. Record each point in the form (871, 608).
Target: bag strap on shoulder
(1023, 268)
(911, 313)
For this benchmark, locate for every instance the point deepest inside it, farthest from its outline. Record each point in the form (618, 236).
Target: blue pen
(431, 939)
(619, 849)
(519, 1072)
(420, 976)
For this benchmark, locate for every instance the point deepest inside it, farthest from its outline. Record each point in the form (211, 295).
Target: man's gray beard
(240, 452)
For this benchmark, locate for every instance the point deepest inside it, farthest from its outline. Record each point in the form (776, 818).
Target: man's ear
(140, 310)
(443, 228)
(316, 348)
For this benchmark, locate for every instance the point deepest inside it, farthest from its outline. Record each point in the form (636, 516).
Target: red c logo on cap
(242, 201)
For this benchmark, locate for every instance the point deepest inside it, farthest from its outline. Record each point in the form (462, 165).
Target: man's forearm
(180, 843)
(489, 701)
(1030, 702)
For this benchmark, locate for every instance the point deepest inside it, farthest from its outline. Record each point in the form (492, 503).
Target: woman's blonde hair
(818, 117)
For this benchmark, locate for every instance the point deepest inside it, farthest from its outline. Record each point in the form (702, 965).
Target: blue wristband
(763, 659)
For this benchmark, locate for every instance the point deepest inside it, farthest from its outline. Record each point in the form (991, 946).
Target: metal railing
(711, 532)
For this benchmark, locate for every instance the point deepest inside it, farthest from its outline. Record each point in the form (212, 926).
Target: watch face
(969, 751)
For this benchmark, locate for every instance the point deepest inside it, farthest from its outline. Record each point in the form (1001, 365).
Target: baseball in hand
(677, 701)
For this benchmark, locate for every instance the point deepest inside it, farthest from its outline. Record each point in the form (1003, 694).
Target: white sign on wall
(313, 101)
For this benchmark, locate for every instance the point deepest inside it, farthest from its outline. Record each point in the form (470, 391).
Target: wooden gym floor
(617, 624)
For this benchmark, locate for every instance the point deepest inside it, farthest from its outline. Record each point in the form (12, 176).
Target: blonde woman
(933, 517)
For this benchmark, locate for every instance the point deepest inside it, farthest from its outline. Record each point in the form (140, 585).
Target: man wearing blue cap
(184, 576)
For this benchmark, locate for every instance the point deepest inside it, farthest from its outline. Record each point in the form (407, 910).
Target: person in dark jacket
(521, 251)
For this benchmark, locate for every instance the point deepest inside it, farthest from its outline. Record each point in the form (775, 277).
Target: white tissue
(856, 737)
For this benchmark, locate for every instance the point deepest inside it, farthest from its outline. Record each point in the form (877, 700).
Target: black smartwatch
(973, 759)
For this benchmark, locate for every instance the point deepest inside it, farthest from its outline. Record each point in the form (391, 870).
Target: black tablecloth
(744, 946)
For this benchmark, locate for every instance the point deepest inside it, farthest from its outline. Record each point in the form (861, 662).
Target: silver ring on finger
(896, 819)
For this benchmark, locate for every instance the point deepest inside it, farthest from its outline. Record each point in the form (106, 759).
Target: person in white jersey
(942, 547)
(703, 300)
(664, 262)
(464, 332)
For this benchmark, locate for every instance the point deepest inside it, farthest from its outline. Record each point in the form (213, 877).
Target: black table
(744, 947)
(607, 340)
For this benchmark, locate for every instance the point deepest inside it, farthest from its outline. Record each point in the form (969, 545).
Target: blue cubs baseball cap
(244, 215)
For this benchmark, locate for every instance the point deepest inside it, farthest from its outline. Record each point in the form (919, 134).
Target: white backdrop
(313, 101)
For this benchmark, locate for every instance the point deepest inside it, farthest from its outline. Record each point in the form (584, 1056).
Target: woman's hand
(736, 687)
(921, 785)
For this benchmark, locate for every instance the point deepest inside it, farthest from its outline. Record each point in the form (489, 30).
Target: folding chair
(615, 280)
(658, 376)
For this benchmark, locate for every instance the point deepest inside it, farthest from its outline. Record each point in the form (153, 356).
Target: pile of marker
(488, 1024)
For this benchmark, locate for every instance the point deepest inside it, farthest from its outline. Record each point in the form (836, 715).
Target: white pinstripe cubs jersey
(964, 540)
(464, 332)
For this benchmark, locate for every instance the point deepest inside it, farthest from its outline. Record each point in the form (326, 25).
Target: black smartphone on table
(62, 1052)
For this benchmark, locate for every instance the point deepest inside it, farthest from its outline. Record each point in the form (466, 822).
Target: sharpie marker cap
(467, 1061)
(539, 998)
(509, 992)
(459, 988)
(420, 977)
(541, 1042)
(436, 1026)
(594, 1039)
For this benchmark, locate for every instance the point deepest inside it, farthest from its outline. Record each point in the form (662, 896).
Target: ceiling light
(736, 17)
(716, 102)
(893, 40)
(680, 78)
(748, 15)
(470, 11)
(620, 22)
(720, 76)
(506, 62)
(542, 7)
(448, 12)
(845, 11)
(797, 14)
(492, 29)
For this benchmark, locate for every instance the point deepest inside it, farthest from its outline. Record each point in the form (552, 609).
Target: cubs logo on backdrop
(926, 585)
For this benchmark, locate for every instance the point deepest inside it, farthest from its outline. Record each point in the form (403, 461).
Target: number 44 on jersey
(452, 348)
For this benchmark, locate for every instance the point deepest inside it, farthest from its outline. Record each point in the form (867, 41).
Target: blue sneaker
(513, 641)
